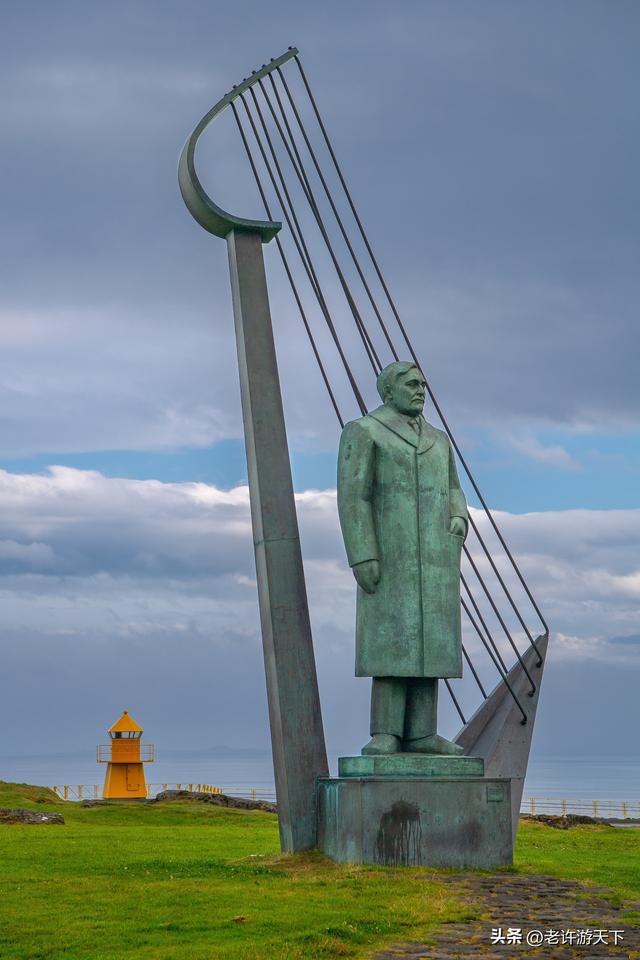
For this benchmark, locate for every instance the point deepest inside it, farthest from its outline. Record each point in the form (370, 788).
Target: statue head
(402, 386)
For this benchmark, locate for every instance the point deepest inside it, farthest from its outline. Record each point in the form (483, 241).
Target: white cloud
(119, 591)
(106, 378)
(154, 376)
(29, 554)
(553, 454)
(77, 548)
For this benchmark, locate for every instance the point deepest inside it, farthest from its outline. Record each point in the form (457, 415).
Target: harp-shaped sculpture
(353, 326)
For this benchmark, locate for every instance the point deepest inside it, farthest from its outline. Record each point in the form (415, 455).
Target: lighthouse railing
(104, 753)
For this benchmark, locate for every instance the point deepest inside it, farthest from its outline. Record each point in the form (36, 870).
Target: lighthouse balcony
(125, 751)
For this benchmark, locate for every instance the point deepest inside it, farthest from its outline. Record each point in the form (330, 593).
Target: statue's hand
(458, 526)
(367, 574)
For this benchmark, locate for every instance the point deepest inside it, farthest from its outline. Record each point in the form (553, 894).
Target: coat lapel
(428, 436)
(394, 421)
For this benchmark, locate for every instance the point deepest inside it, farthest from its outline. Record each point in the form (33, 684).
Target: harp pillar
(297, 736)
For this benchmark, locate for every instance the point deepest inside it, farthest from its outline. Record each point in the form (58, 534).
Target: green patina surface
(398, 498)
(404, 520)
(395, 493)
(200, 205)
(410, 765)
(411, 821)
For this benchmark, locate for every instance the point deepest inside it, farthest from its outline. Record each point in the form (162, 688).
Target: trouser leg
(388, 699)
(421, 714)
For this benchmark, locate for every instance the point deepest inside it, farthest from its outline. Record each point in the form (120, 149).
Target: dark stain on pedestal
(470, 837)
(399, 835)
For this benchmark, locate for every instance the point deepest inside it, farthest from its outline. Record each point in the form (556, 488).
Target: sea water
(573, 777)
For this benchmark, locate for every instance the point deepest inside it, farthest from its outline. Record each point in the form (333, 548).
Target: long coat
(397, 492)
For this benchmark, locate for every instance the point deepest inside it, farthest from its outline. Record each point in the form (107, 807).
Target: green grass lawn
(188, 881)
(599, 855)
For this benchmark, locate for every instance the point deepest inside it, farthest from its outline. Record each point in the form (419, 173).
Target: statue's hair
(390, 373)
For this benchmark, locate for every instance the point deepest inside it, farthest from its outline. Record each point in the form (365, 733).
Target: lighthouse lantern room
(125, 757)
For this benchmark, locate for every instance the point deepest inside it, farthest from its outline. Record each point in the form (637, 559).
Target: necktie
(415, 423)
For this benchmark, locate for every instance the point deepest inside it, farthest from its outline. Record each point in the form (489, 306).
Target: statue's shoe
(380, 744)
(433, 744)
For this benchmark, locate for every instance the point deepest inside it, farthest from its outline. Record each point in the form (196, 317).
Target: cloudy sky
(491, 149)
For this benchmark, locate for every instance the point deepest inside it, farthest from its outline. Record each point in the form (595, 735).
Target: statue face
(407, 394)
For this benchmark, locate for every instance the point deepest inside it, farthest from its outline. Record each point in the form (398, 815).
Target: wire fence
(603, 809)
(558, 806)
(92, 791)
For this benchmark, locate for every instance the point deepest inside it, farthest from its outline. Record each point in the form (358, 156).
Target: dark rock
(566, 821)
(217, 799)
(20, 815)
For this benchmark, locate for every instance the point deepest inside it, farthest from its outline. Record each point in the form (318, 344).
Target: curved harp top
(200, 205)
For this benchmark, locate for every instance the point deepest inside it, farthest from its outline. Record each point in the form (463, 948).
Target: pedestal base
(413, 821)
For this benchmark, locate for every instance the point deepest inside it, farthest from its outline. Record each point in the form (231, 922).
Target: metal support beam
(496, 733)
(297, 736)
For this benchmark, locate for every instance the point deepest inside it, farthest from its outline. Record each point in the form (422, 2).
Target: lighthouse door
(133, 776)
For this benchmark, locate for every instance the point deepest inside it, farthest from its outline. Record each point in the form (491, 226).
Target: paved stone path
(529, 903)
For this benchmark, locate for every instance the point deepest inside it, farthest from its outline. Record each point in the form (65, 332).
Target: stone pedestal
(413, 810)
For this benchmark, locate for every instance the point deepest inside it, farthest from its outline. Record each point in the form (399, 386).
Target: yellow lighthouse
(125, 773)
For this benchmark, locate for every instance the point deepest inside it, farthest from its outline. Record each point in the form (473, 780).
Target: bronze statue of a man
(404, 520)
